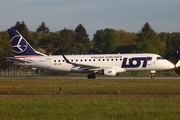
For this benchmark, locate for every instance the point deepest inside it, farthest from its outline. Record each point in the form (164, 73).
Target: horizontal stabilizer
(15, 60)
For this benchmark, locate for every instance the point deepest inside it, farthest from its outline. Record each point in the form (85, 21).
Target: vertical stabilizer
(21, 47)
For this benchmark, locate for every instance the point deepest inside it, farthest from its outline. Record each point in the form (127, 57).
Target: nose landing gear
(153, 74)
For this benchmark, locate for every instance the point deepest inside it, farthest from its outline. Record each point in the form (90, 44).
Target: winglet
(67, 61)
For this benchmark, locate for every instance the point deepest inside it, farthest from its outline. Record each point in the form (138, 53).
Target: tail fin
(21, 47)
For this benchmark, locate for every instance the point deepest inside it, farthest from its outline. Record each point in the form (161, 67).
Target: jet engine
(108, 71)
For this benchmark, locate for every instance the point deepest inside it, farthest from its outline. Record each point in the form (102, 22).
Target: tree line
(105, 41)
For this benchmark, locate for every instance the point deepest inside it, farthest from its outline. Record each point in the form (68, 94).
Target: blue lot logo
(135, 62)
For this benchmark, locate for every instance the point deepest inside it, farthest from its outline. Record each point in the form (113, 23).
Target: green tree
(163, 36)
(148, 37)
(105, 40)
(64, 44)
(82, 37)
(174, 42)
(173, 48)
(5, 50)
(126, 48)
(46, 43)
(43, 28)
(146, 34)
(34, 38)
(125, 37)
(22, 28)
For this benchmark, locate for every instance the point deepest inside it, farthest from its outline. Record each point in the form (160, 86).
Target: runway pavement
(85, 78)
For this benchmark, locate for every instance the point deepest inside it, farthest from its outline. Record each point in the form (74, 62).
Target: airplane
(104, 64)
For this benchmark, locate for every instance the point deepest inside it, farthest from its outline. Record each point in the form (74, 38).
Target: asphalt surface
(85, 78)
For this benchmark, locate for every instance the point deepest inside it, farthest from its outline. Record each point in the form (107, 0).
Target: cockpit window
(160, 58)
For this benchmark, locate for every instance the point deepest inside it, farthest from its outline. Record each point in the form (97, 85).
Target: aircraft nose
(171, 65)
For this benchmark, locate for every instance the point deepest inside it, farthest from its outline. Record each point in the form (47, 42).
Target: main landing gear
(91, 76)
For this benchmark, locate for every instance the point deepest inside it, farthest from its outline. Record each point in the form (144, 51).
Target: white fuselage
(87, 63)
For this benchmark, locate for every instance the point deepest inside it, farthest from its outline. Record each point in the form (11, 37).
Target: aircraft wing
(13, 59)
(82, 66)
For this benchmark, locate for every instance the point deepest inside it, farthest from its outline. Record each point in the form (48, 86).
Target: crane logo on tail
(19, 44)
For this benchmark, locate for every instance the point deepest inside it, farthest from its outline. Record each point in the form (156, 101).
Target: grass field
(31, 99)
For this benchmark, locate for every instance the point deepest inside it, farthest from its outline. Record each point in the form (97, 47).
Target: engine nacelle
(108, 71)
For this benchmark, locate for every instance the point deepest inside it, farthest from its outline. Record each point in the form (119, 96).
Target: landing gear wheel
(91, 76)
(153, 73)
(152, 76)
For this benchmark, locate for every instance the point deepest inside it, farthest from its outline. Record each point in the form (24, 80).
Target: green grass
(84, 86)
(90, 107)
(89, 99)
